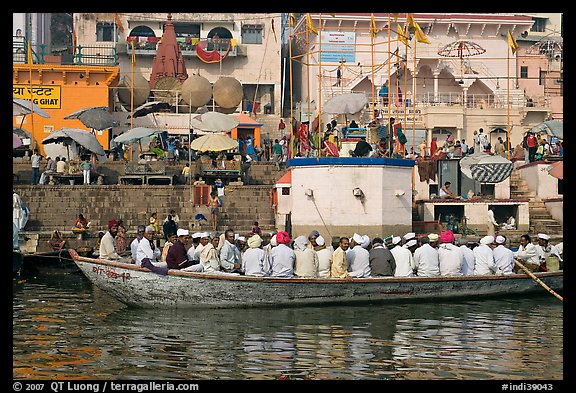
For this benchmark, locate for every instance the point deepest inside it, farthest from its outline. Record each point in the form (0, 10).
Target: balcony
(100, 55)
(146, 46)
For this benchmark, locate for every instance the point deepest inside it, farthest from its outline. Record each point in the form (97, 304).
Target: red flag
(273, 31)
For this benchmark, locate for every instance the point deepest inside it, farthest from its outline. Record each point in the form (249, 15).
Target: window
(539, 25)
(105, 32)
(542, 77)
(523, 72)
(251, 34)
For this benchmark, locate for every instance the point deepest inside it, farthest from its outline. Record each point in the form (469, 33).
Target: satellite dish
(524, 34)
(227, 92)
(196, 91)
(168, 89)
(141, 90)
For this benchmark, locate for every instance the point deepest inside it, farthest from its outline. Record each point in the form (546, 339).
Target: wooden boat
(140, 287)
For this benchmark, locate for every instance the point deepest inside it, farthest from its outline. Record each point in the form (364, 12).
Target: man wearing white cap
(195, 251)
(484, 257)
(177, 258)
(147, 249)
(547, 250)
(192, 250)
(407, 237)
(468, 254)
(503, 256)
(403, 258)
(253, 262)
(268, 249)
(426, 257)
(527, 254)
(358, 258)
(324, 257)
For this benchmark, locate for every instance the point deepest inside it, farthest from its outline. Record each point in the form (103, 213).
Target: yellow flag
(401, 35)
(30, 61)
(133, 54)
(310, 24)
(512, 42)
(395, 16)
(410, 20)
(419, 34)
(373, 29)
(292, 19)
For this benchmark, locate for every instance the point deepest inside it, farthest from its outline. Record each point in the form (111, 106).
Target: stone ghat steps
(54, 207)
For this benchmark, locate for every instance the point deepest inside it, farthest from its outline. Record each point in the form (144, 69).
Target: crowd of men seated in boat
(356, 256)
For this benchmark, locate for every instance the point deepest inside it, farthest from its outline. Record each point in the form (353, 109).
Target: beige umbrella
(214, 122)
(557, 170)
(214, 142)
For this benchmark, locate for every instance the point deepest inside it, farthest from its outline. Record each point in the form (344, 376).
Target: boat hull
(140, 287)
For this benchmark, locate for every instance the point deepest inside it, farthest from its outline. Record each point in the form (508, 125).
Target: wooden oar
(546, 287)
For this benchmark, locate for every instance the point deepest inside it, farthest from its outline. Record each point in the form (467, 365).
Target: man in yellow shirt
(339, 268)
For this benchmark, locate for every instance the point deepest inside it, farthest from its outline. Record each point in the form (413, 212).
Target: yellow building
(60, 90)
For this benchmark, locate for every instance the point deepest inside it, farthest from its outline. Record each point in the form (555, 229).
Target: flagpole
(508, 99)
(132, 96)
(30, 61)
(319, 76)
(389, 92)
(289, 142)
(372, 36)
(405, 89)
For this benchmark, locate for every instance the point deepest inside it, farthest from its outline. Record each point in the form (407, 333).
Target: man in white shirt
(546, 250)
(230, 259)
(484, 257)
(324, 257)
(134, 245)
(450, 256)
(527, 254)
(503, 256)
(253, 258)
(282, 257)
(358, 258)
(147, 249)
(468, 255)
(426, 257)
(403, 257)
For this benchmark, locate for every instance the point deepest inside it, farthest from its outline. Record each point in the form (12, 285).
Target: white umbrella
(214, 121)
(214, 142)
(82, 137)
(346, 104)
(135, 135)
(24, 107)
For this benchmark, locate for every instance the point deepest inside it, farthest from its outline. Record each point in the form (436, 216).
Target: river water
(65, 328)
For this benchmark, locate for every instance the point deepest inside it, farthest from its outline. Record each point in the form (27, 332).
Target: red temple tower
(168, 60)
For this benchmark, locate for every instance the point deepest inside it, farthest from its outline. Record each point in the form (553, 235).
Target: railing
(149, 45)
(75, 55)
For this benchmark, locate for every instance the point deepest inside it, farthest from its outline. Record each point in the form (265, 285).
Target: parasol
(21, 132)
(16, 141)
(82, 137)
(97, 118)
(550, 127)
(24, 107)
(461, 49)
(150, 107)
(214, 142)
(557, 170)
(346, 104)
(135, 135)
(214, 121)
(486, 168)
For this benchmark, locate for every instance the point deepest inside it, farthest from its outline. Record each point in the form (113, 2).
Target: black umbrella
(150, 107)
(97, 118)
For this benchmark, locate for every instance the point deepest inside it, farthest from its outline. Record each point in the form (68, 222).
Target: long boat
(140, 287)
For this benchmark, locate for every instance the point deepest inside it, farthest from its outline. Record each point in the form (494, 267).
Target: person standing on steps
(214, 206)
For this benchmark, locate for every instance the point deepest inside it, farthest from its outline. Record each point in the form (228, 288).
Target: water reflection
(65, 328)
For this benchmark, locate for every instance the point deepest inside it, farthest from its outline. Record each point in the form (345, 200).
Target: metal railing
(99, 55)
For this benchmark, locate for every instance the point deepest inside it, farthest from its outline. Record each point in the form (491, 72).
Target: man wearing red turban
(107, 247)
